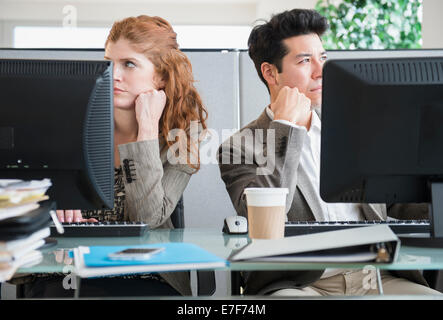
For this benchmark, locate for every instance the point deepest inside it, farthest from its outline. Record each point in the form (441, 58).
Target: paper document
(8, 269)
(17, 192)
(11, 212)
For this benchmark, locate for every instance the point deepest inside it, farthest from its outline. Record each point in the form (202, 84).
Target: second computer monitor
(382, 130)
(382, 134)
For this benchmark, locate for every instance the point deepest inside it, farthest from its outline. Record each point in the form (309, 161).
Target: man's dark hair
(266, 41)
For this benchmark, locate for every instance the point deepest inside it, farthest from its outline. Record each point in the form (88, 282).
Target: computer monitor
(382, 134)
(56, 121)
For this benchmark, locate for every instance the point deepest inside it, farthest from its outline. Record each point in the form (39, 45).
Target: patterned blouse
(116, 214)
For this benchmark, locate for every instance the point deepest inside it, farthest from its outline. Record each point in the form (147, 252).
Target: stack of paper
(20, 253)
(24, 224)
(16, 194)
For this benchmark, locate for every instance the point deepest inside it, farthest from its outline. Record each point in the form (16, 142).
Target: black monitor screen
(56, 121)
(382, 131)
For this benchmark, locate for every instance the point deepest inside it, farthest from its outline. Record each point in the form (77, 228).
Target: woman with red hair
(154, 97)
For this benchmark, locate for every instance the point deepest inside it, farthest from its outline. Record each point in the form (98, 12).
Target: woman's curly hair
(155, 38)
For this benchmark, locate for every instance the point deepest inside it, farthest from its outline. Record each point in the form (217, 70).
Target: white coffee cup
(266, 212)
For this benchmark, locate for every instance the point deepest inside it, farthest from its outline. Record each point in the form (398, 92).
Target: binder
(375, 244)
(22, 226)
(94, 261)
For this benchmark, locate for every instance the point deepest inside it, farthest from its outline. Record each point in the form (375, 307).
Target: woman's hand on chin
(149, 107)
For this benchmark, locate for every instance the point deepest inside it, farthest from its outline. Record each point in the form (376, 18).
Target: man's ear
(270, 73)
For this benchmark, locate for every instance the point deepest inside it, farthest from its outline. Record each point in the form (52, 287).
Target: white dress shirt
(310, 162)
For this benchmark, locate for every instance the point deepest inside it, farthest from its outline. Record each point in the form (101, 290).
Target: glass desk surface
(56, 258)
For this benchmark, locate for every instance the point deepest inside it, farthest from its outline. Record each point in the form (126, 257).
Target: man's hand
(149, 107)
(72, 216)
(292, 105)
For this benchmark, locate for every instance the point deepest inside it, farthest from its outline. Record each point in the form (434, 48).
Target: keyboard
(101, 229)
(296, 228)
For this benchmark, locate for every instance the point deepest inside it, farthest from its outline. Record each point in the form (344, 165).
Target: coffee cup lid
(266, 190)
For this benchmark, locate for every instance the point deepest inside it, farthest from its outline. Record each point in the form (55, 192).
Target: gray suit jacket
(153, 187)
(301, 204)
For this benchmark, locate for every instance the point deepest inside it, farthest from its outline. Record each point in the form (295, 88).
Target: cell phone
(135, 253)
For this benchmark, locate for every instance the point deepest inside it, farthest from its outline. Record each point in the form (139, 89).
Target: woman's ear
(269, 72)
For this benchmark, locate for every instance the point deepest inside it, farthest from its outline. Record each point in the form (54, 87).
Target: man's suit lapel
(309, 193)
(303, 184)
(374, 211)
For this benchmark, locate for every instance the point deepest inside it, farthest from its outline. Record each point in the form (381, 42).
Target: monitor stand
(435, 239)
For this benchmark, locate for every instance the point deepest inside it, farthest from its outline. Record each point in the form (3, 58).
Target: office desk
(56, 259)
(213, 240)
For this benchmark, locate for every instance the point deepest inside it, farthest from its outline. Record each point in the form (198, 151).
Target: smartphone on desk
(135, 254)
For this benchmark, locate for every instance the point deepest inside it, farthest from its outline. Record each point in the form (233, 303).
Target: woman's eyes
(129, 64)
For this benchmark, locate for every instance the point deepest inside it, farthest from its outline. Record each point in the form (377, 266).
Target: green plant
(372, 24)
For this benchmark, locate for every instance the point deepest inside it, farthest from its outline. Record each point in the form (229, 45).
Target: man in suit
(288, 55)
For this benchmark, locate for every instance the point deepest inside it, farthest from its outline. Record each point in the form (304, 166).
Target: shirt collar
(270, 113)
(315, 121)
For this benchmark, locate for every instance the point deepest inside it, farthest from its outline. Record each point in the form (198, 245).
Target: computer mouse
(236, 242)
(235, 225)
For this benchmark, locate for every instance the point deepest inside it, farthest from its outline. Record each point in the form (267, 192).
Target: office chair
(205, 279)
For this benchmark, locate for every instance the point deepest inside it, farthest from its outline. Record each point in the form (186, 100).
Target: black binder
(24, 225)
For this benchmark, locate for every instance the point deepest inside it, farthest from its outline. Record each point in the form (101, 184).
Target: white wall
(103, 13)
(432, 24)
(266, 8)
(179, 12)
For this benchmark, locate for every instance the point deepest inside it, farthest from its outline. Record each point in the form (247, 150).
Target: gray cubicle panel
(254, 95)
(216, 73)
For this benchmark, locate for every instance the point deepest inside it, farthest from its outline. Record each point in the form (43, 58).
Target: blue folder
(174, 254)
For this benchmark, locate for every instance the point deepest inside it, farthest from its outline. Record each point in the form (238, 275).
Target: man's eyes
(308, 59)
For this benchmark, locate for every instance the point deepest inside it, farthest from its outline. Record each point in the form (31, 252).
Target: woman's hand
(72, 216)
(149, 107)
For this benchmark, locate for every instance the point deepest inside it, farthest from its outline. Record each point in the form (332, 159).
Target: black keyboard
(296, 228)
(101, 229)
